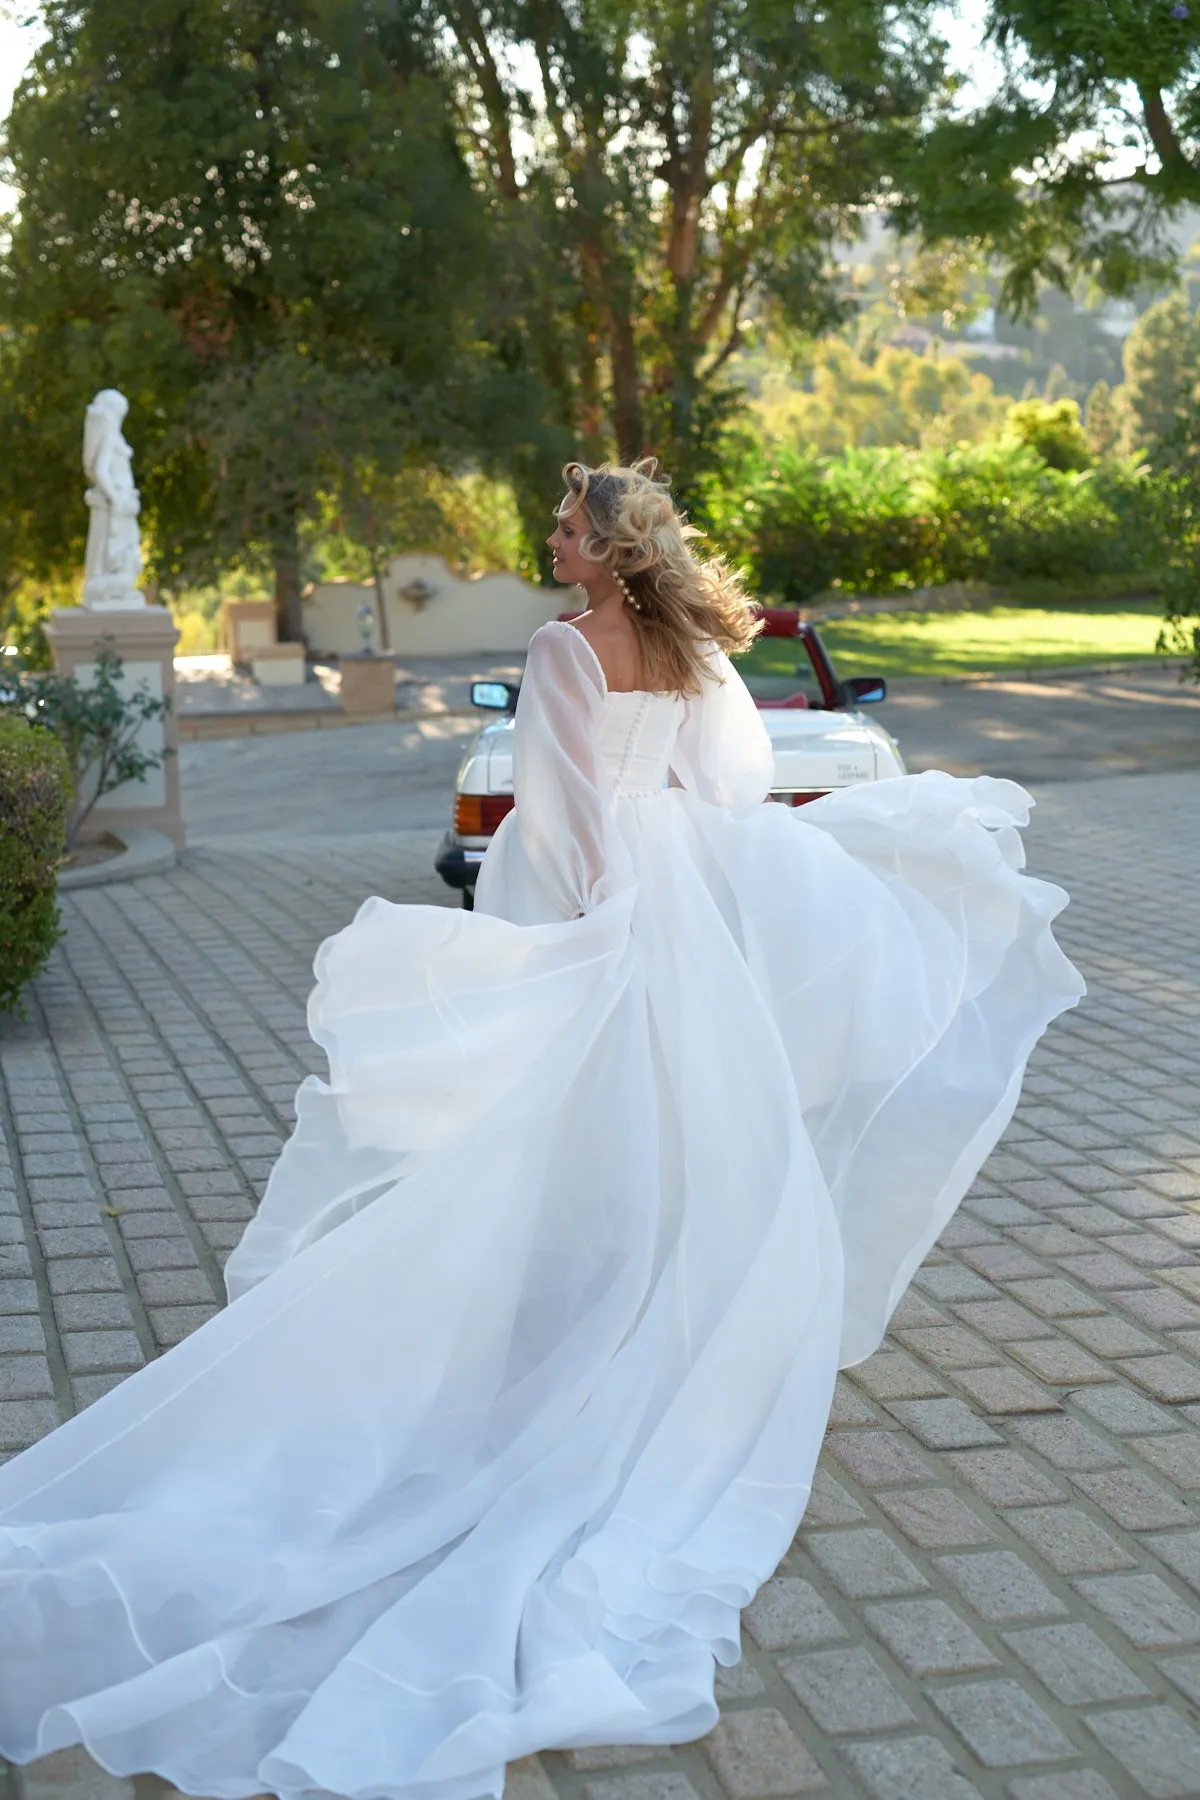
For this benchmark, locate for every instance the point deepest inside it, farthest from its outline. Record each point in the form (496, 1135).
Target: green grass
(983, 639)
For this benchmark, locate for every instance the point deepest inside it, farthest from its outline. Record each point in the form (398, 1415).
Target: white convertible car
(822, 740)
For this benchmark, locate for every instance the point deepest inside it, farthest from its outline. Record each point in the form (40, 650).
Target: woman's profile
(532, 1344)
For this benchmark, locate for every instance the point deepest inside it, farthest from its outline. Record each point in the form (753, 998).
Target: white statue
(114, 556)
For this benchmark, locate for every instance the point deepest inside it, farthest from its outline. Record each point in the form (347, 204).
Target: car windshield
(785, 667)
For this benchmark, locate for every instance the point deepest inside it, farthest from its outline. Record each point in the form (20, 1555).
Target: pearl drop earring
(625, 589)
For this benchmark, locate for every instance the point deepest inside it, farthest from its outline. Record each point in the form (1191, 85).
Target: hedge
(34, 799)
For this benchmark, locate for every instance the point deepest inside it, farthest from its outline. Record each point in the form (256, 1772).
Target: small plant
(34, 800)
(97, 726)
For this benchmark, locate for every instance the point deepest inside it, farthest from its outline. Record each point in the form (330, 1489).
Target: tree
(678, 170)
(248, 218)
(1102, 421)
(1162, 367)
(1052, 429)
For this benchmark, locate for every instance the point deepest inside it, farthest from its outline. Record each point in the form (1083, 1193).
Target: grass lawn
(985, 638)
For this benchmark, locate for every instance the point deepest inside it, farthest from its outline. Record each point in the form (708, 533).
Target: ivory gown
(532, 1343)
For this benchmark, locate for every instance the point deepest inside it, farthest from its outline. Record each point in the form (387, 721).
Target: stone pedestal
(278, 665)
(368, 684)
(144, 638)
(246, 626)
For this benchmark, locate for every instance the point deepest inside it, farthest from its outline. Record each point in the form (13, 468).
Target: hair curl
(681, 603)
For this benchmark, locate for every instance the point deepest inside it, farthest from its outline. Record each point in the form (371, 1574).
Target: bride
(531, 1346)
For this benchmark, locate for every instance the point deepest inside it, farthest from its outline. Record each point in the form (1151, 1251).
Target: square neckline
(611, 693)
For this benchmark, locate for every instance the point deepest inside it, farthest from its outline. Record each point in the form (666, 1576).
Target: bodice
(637, 736)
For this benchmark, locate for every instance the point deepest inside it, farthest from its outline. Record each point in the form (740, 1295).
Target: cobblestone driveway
(996, 1590)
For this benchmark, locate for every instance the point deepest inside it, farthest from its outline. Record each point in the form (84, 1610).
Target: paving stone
(1161, 1752)
(664, 1784)
(1166, 1377)
(87, 1388)
(92, 1312)
(918, 1768)
(1134, 1500)
(25, 1378)
(1122, 1411)
(23, 1422)
(756, 1753)
(82, 1275)
(1000, 1586)
(787, 1611)
(1002, 1319)
(943, 1424)
(174, 1252)
(1109, 1336)
(1177, 1456)
(525, 1779)
(1180, 1550)
(1067, 1444)
(741, 1682)
(1184, 1671)
(74, 1240)
(928, 1637)
(877, 1458)
(1058, 1361)
(934, 1518)
(171, 1324)
(949, 1347)
(951, 1282)
(830, 1504)
(865, 1563)
(1004, 1391)
(1144, 1609)
(1003, 1477)
(890, 1375)
(1075, 1665)
(1064, 1784)
(72, 1775)
(845, 1691)
(94, 1352)
(22, 1333)
(1103, 1271)
(1069, 1540)
(1002, 1724)
(849, 1406)
(612, 1756)
(1055, 1299)
(1159, 1307)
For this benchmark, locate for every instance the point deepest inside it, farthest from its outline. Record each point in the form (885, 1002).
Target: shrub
(97, 726)
(34, 797)
(889, 520)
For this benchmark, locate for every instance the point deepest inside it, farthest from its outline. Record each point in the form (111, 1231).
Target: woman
(532, 1344)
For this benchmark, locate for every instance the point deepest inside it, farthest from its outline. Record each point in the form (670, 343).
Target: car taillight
(801, 798)
(478, 815)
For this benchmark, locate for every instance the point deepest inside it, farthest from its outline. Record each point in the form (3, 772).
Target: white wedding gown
(532, 1344)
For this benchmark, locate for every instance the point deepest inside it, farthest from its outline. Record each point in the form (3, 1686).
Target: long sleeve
(563, 807)
(723, 754)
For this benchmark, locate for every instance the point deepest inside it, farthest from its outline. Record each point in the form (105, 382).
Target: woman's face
(573, 525)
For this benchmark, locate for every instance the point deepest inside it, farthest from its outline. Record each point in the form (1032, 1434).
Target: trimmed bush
(34, 798)
(880, 521)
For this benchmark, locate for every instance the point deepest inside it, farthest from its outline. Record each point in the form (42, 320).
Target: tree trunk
(289, 620)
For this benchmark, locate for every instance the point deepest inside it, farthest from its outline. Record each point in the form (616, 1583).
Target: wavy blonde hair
(680, 603)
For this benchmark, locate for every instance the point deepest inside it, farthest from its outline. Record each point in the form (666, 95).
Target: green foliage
(1162, 368)
(889, 520)
(1102, 421)
(256, 222)
(1052, 430)
(97, 727)
(897, 396)
(34, 793)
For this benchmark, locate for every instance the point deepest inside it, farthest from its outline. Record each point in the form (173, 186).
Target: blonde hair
(679, 603)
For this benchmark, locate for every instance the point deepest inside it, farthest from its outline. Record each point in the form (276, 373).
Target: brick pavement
(996, 1590)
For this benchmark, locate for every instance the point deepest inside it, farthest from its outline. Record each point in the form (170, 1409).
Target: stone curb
(146, 852)
(201, 727)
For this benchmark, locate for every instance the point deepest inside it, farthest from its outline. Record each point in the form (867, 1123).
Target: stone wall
(462, 615)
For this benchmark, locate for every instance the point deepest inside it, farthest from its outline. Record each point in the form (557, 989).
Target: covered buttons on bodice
(637, 735)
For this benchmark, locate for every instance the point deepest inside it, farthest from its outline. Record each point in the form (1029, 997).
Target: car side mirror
(864, 690)
(494, 696)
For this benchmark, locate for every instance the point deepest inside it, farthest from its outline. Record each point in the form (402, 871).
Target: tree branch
(1158, 124)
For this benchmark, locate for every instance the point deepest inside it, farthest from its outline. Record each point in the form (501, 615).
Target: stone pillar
(144, 638)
